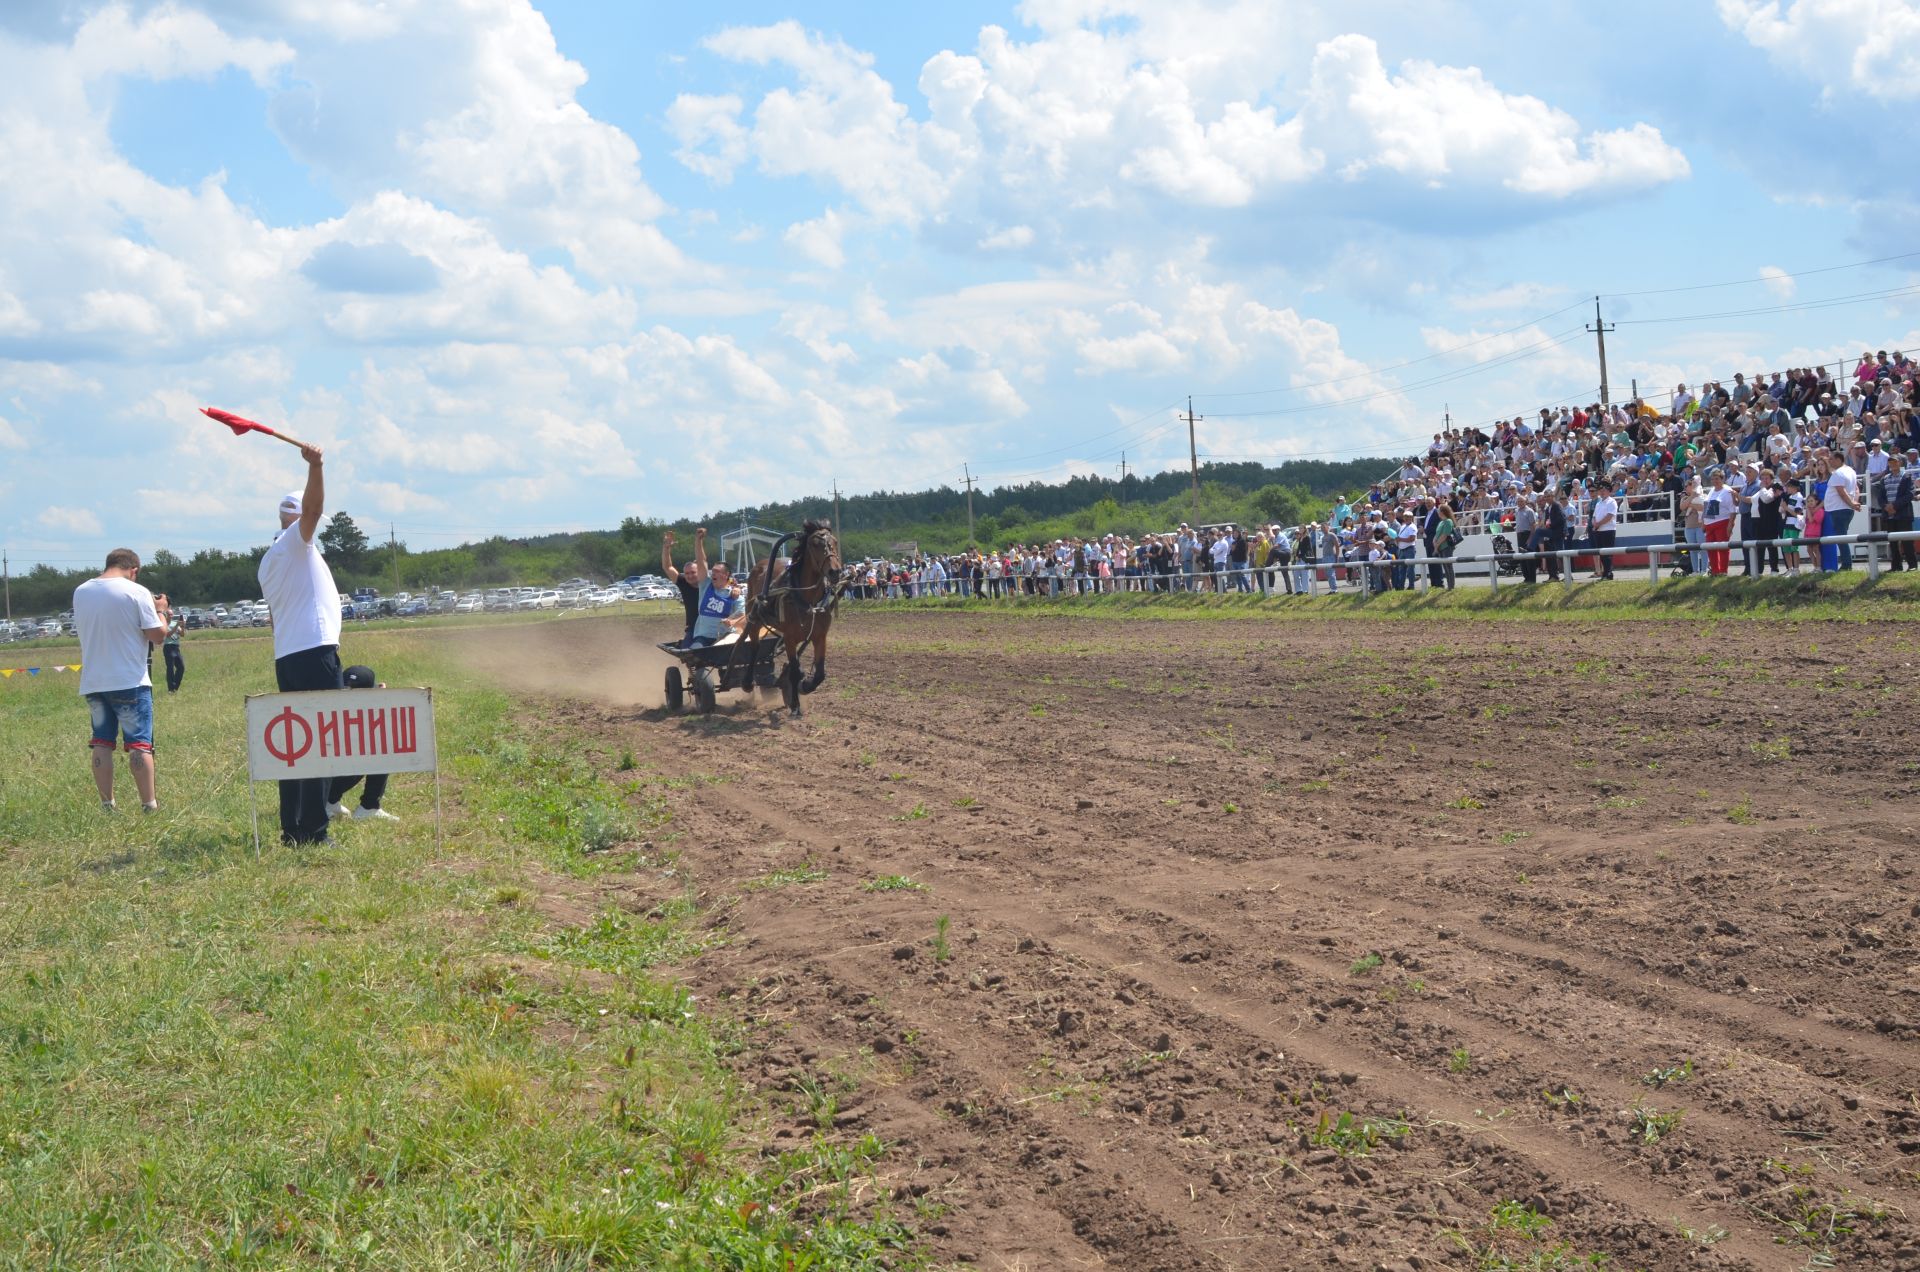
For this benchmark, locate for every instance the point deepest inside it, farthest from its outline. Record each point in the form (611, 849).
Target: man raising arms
(299, 591)
(689, 580)
(119, 623)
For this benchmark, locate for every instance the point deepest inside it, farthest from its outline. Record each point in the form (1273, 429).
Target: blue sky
(524, 265)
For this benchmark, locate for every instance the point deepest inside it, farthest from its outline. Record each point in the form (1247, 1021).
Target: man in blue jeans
(1843, 500)
(120, 622)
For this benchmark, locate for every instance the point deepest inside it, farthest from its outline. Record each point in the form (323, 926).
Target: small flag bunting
(8, 673)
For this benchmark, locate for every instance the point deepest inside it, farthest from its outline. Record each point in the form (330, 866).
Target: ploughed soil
(1250, 944)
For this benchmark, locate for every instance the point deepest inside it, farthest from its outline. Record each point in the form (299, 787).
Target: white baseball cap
(290, 504)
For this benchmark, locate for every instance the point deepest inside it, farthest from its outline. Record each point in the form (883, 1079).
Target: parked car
(469, 605)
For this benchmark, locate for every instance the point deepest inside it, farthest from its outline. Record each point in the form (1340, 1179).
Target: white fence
(1311, 578)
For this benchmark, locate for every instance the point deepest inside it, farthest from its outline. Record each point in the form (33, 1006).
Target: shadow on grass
(206, 846)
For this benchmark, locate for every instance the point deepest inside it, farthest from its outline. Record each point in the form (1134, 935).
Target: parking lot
(366, 604)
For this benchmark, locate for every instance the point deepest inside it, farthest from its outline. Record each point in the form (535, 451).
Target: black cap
(358, 677)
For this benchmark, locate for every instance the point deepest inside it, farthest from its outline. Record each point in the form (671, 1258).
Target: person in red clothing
(1716, 519)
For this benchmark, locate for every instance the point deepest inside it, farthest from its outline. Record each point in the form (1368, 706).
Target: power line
(1411, 362)
(1517, 355)
(1748, 282)
(1831, 302)
(1520, 354)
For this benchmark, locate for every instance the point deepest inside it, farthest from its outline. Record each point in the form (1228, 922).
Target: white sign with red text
(339, 733)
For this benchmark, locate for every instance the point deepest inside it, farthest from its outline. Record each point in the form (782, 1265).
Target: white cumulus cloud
(1441, 124)
(169, 42)
(1864, 46)
(1185, 106)
(74, 521)
(819, 239)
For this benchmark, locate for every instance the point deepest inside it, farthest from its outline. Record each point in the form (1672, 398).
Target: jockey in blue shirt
(719, 608)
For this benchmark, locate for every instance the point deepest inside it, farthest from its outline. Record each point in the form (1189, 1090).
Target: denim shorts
(127, 712)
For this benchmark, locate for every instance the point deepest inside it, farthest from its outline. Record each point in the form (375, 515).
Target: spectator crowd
(1796, 454)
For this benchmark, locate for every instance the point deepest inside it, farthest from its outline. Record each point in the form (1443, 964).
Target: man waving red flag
(300, 593)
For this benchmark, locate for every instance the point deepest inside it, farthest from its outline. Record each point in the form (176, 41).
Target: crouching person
(358, 677)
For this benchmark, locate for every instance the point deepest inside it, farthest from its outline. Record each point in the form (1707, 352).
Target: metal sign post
(340, 733)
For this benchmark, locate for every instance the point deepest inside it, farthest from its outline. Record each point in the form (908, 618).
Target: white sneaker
(373, 814)
(335, 810)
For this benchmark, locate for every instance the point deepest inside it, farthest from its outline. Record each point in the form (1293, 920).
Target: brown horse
(796, 598)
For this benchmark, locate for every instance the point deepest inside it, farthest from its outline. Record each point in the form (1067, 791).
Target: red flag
(240, 424)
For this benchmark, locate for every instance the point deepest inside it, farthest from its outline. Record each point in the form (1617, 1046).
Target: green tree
(344, 541)
(1283, 505)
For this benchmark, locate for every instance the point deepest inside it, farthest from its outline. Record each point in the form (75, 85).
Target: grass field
(383, 1055)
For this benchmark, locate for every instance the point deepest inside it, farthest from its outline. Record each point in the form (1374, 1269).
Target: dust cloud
(612, 661)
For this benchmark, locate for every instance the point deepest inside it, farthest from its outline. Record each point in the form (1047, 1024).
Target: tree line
(876, 524)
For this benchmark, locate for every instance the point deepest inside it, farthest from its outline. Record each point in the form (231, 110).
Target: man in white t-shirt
(1842, 501)
(119, 623)
(300, 592)
(1716, 520)
(1605, 527)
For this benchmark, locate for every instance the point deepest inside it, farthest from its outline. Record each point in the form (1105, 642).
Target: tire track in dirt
(1569, 1165)
(1582, 965)
(1734, 1021)
(1149, 916)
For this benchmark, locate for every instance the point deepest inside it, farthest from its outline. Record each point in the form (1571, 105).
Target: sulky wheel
(704, 694)
(676, 690)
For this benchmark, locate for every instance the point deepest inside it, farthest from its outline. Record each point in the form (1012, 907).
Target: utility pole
(971, 543)
(394, 543)
(1600, 328)
(1123, 477)
(6, 573)
(839, 528)
(1193, 457)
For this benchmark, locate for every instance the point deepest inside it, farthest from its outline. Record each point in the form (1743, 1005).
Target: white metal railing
(1634, 510)
(1310, 578)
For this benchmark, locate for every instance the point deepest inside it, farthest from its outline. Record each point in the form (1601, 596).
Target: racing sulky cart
(711, 670)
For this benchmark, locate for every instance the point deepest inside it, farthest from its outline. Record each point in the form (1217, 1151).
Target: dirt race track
(1487, 887)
